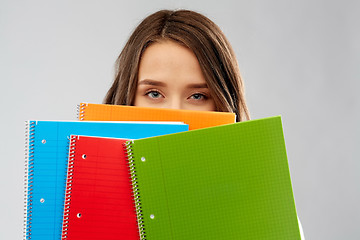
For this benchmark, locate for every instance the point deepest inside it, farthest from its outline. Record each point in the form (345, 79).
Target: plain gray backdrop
(299, 59)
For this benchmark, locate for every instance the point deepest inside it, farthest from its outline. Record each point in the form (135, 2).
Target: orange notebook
(195, 119)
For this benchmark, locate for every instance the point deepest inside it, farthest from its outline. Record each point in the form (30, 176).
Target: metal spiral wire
(28, 179)
(68, 189)
(137, 200)
(81, 111)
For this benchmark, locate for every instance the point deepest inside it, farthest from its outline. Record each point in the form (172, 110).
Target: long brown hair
(198, 33)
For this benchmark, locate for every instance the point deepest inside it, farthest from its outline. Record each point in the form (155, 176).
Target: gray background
(299, 59)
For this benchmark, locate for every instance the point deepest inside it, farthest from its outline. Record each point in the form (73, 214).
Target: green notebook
(224, 182)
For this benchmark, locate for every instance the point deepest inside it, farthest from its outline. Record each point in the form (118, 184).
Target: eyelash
(153, 91)
(203, 96)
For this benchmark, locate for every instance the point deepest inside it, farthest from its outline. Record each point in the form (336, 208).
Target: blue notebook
(46, 166)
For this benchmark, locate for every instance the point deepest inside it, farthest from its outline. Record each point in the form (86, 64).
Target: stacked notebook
(98, 200)
(48, 149)
(103, 178)
(195, 119)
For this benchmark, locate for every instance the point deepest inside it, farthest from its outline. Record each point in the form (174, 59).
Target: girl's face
(170, 77)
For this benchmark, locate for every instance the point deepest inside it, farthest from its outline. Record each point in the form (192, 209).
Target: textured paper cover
(226, 182)
(195, 119)
(98, 201)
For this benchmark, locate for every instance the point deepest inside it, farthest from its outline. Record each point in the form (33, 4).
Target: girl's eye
(198, 96)
(153, 94)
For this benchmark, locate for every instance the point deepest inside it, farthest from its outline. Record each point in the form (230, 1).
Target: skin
(170, 77)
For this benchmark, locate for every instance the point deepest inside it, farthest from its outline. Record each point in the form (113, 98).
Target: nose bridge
(174, 102)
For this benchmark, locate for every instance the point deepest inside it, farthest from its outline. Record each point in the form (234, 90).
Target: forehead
(168, 51)
(167, 59)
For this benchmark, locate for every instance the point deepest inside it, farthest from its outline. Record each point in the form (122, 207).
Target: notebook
(46, 166)
(195, 119)
(98, 200)
(225, 182)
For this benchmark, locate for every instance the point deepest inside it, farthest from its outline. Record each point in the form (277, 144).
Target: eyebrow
(161, 84)
(197, 85)
(152, 83)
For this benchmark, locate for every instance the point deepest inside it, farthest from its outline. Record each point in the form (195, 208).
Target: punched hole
(152, 216)
(83, 156)
(43, 141)
(42, 200)
(143, 159)
(78, 215)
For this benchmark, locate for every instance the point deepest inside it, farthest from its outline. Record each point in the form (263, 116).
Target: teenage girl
(182, 60)
(179, 59)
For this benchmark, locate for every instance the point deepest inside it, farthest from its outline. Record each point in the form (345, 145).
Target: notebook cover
(225, 182)
(98, 200)
(195, 119)
(46, 166)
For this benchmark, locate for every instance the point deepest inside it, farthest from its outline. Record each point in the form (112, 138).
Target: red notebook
(98, 198)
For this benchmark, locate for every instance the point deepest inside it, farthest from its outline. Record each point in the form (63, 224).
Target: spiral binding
(68, 186)
(136, 193)
(28, 179)
(81, 111)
